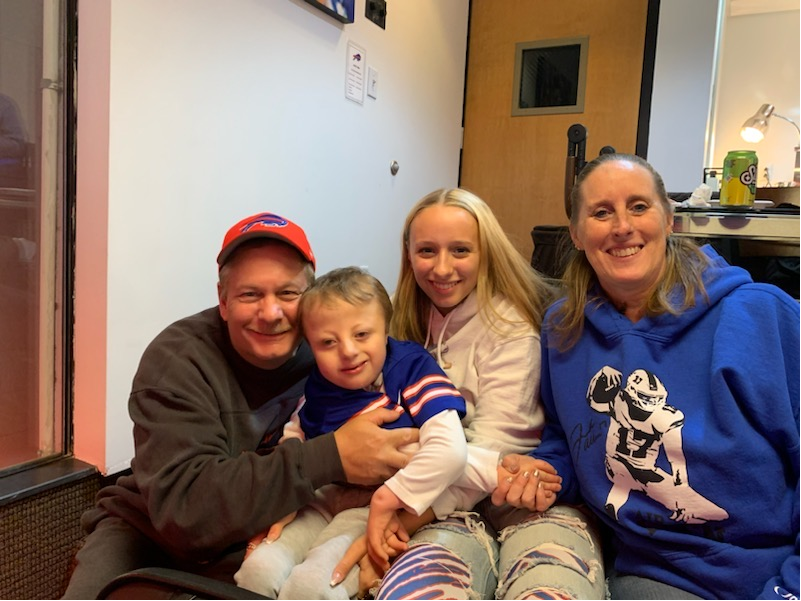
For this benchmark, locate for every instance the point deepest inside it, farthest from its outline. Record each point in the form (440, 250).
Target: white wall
(757, 62)
(685, 53)
(195, 113)
(759, 65)
(217, 110)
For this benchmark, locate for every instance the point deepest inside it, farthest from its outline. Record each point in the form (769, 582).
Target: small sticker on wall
(354, 73)
(372, 82)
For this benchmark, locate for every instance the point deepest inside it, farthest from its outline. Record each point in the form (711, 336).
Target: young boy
(344, 316)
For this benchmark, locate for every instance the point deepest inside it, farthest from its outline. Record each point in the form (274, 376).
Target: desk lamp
(754, 129)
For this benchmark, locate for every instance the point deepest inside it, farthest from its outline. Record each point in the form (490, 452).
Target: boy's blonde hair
(350, 284)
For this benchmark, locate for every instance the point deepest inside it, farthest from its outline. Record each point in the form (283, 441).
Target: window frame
(56, 306)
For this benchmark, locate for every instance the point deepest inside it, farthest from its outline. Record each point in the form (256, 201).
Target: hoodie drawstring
(440, 362)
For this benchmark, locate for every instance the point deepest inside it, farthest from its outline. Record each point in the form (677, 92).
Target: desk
(737, 223)
(765, 242)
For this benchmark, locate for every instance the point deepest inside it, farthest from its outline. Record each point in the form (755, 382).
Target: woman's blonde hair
(502, 270)
(685, 264)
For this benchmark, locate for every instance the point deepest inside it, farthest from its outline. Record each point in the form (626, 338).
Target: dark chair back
(551, 248)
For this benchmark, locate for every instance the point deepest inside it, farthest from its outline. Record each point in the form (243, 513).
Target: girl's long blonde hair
(502, 270)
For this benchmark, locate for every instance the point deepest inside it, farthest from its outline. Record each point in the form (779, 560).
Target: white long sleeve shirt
(438, 459)
(497, 370)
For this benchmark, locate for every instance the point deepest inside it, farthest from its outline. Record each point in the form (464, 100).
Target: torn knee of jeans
(467, 523)
(572, 523)
(470, 523)
(554, 555)
(458, 521)
(428, 570)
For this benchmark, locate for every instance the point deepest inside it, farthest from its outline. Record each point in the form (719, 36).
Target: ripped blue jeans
(553, 555)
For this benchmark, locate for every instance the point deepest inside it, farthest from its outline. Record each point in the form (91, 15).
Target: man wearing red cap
(209, 402)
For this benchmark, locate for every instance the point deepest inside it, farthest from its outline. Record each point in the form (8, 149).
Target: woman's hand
(396, 540)
(270, 535)
(369, 574)
(355, 553)
(524, 481)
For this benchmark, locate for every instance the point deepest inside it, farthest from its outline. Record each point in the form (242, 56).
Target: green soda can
(738, 186)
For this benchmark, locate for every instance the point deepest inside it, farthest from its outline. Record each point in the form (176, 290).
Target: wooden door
(517, 164)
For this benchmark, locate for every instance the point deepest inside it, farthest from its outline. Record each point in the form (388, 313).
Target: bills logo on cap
(265, 219)
(265, 225)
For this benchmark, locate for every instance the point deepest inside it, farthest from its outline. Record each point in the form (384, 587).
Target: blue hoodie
(682, 434)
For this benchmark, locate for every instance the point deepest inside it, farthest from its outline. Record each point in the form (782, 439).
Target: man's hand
(526, 482)
(368, 452)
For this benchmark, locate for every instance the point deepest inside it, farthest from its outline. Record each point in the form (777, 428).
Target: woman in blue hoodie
(671, 385)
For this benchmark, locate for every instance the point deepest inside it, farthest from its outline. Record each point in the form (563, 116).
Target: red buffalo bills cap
(266, 225)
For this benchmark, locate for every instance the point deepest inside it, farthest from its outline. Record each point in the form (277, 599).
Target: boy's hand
(386, 536)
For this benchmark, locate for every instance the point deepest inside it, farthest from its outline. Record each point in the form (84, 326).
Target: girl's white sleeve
(439, 462)
(479, 479)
